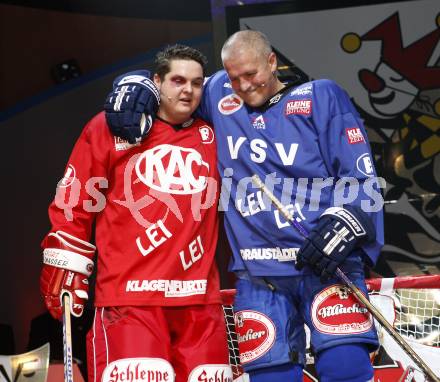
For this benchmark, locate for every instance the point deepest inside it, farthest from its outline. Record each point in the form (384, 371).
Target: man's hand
(67, 266)
(338, 232)
(131, 106)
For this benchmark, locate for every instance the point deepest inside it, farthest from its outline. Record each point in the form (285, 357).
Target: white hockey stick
(67, 340)
(364, 300)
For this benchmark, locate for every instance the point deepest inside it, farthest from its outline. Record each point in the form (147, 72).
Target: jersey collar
(178, 127)
(277, 96)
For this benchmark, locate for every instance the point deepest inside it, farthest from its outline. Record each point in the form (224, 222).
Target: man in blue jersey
(309, 146)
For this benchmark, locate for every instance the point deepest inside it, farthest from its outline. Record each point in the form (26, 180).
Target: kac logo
(173, 169)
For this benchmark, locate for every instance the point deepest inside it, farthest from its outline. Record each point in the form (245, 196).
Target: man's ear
(273, 62)
(157, 81)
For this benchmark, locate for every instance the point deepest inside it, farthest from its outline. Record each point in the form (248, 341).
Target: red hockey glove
(67, 265)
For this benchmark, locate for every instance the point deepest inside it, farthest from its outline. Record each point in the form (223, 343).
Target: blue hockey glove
(338, 232)
(131, 106)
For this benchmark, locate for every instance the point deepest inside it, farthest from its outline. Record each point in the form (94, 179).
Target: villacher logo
(255, 334)
(230, 104)
(336, 313)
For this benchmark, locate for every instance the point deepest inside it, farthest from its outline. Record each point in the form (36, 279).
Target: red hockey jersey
(155, 208)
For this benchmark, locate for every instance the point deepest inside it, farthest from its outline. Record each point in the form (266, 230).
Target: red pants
(184, 336)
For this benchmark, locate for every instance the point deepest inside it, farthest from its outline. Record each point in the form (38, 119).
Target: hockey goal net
(410, 303)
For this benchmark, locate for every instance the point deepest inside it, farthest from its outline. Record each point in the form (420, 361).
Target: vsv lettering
(258, 149)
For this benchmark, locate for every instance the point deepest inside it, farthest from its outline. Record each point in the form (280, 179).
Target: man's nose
(371, 81)
(188, 88)
(244, 84)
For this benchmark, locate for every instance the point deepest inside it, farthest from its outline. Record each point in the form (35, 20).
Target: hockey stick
(360, 296)
(67, 340)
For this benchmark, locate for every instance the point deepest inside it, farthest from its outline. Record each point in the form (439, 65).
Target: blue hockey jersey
(310, 147)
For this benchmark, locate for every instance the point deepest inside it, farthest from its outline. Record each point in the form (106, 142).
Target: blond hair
(247, 39)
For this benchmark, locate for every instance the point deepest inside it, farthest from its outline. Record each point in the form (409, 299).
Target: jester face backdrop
(387, 57)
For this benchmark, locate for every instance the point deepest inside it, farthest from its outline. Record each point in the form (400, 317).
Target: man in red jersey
(154, 203)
